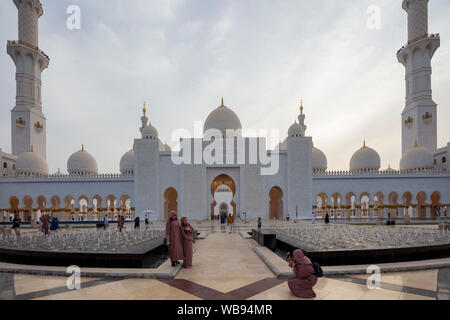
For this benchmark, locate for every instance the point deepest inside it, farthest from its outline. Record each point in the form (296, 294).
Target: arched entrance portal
(276, 203)
(223, 191)
(170, 202)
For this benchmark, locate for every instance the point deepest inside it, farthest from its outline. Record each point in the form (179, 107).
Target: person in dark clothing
(54, 224)
(327, 218)
(259, 223)
(16, 226)
(137, 223)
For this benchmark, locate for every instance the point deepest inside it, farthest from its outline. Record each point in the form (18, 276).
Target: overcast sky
(263, 56)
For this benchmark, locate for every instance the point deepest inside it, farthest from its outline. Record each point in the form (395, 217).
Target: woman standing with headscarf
(302, 283)
(173, 239)
(187, 233)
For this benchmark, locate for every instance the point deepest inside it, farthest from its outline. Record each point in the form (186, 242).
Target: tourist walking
(146, 222)
(137, 223)
(45, 219)
(105, 222)
(16, 225)
(230, 222)
(302, 283)
(259, 223)
(54, 224)
(313, 217)
(173, 239)
(187, 234)
(120, 222)
(41, 223)
(327, 218)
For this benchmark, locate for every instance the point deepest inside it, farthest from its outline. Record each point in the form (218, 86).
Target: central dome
(222, 119)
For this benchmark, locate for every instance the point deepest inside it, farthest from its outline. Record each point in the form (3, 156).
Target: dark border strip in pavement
(390, 286)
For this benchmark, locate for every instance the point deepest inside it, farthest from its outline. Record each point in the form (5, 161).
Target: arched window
(444, 160)
(5, 165)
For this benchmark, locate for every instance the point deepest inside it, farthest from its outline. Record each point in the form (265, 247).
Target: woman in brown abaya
(187, 233)
(173, 239)
(302, 283)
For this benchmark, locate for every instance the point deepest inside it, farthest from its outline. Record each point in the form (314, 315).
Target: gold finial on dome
(223, 104)
(364, 144)
(82, 147)
(32, 148)
(301, 106)
(144, 110)
(59, 171)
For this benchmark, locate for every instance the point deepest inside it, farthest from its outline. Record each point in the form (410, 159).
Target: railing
(105, 176)
(381, 173)
(425, 36)
(26, 44)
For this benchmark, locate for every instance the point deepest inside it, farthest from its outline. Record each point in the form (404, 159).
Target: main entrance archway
(223, 191)
(170, 202)
(276, 203)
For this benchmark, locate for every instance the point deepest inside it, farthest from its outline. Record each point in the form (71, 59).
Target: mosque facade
(225, 172)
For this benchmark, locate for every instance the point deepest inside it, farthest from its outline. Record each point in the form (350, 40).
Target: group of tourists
(48, 224)
(179, 239)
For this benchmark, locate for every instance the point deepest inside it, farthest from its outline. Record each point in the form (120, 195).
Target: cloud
(263, 56)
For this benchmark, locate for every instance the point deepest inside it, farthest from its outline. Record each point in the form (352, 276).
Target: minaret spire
(301, 118)
(419, 116)
(144, 118)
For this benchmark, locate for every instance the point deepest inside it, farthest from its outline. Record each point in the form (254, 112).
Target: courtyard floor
(226, 268)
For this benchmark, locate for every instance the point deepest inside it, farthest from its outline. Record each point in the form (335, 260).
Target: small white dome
(295, 130)
(222, 119)
(365, 159)
(417, 159)
(319, 160)
(150, 132)
(82, 163)
(164, 147)
(282, 145)
(31, 164)
(127, 163)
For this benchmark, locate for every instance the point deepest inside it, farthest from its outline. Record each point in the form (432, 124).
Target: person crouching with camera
(302, 283)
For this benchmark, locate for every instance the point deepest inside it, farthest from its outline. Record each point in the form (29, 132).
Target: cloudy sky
(263, 56)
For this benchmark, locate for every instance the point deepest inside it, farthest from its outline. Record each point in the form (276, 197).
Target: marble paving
(226, 268)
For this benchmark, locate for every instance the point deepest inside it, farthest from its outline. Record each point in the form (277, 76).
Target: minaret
(28, 123)
(419, 119)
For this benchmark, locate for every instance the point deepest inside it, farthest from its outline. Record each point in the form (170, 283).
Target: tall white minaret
(419, 119)
(28, 123)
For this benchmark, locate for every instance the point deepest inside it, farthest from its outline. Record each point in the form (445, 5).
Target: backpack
(318, 272)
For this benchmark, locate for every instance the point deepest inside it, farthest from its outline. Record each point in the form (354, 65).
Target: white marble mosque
(152, 182)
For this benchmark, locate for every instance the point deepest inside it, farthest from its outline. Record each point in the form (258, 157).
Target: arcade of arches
(69, 208)
(393, 205)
